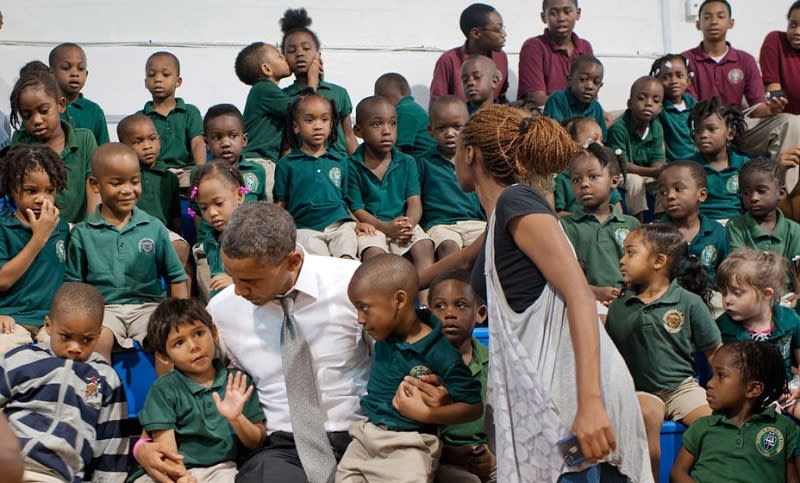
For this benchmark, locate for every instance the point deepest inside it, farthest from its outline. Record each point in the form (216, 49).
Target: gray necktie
(308, 421)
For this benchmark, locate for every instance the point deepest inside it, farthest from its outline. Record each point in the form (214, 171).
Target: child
(36, 104)
(310, 181)
(65, 404)
(179, 410)
(658, 325)
(544, 61)
(400, 433)
(452, 218)
(300, 45)
(716, 130)
(466, 452)
(598, 230)
(580, 97)
(479, 77)
(383, 187)
(752, 282)
(745, 439)
(32, 243)
(675, 74)
(122, 251)
(639, 135)
(412, 120)
(68, 65)
(179, 125)
(483, 28)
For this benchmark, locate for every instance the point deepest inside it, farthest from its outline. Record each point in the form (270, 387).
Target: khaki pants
(463, 233)
(22, 335)
(770, 136)
(202, 273)
(335, 240)
(224, 472)
(378, 455)
(37, 473)
(128, 322)
(269, 169)
(680, 401)
(380, 240)
(636, 193)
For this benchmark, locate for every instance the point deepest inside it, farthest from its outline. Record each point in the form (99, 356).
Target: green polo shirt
(678, 139)
(394, 359)
(86, 114)
(208, 239)
(77, 156)
(474, 433)
(710, 245)
(443, 202)
(385, 199)
(344, 106)
(743, 231)
(723, 188)
(126, 265)
(412, 128)
(658, 339)
(565, 196)
(176, 130)
(757, 451)
(785, 335)
(599, 245)
(28, 300)
(312, 188)
(643, 152)
(203, 436)
(255, 179)
(265, 115)
(160, 196)
(562, 105)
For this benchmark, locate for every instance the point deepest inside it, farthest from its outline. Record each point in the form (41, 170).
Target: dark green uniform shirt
(28, 300)
(678, 138)
(599, 245)
(384, 199)
(125, 265)
(412, 128)
(710, 245)
(474, 433)
(160, 196)
(443, 202)
(86, 114)
(394, 359)
(565, 196)
(562, 105)
(344, 107)
(643, 152)
(723, 188)
(176, 130)
(265, 119)
(743, 231)
(658, 339)
(312, 188)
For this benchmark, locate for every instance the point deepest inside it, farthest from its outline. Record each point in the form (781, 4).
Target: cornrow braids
(735, 120)
(733, 117)
(764, 165)
(23, 159)
(35, 78)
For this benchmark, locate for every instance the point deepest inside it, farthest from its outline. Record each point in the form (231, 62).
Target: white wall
(361, 40)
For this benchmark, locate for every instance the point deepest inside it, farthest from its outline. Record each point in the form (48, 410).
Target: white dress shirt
(250, 336)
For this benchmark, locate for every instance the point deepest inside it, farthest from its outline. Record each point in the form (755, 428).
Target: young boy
(412, 120)
(580, 97)
(68, 65)
(400, 434)
(638, 133)
(123, 251)
(544, 61)
(479, 77)
(65, 404)
(453, 219)
(179, 411)
(179, 125)
(383, 187)
(466, 454)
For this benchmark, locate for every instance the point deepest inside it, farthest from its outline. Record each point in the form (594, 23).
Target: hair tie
(525, 125)
(193, 193)
(191, 212)
(244, 190)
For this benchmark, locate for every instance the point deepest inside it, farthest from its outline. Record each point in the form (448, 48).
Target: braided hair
(732, 116)
(23, 159)
(217, 167)
(762, 362)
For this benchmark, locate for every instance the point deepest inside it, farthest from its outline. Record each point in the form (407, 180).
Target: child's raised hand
(315, 71)
(6, 324)
(364, 229)
(47, 221)
(218, 282)
(236, 395)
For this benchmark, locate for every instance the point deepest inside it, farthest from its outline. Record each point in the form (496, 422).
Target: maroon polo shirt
(780, 63)
(734, 79)
(544, 65)
(447, 73)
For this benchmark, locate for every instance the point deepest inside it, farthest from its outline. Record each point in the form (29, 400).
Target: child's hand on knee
(186, 479)
(6, 324)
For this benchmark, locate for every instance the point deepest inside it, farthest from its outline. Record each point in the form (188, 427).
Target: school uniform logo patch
(732, 185)
(61, 252)
(673, 321)
(620, 234)
(769, 441)
(735, 76)
(709, 255)
(250, 181)
(335, 175)
(147, 245)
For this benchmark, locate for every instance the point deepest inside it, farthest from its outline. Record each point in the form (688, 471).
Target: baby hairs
(23, 159)
(296, 20)
(754, 268)
(732, 116)
(31, 79)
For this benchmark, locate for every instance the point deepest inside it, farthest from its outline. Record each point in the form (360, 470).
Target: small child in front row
(178, 411)
(580, 97)
(400, 435)
(479, 79)
(63, 401)
(123, 251)
(745, 439)
(310, 181)
(466, 456)
(675, 74)
(658, 325)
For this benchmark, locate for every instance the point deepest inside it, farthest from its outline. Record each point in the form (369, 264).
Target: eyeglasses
(500, 31)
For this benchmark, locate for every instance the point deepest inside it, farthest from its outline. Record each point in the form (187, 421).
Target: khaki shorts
(680, 401)
(184, 176)
(269, 169)
(336, 240)
(202, 273)
(23, 335)
(37, 473)
(224, 472)
(463, 233)
(380, 240)
(128, 322)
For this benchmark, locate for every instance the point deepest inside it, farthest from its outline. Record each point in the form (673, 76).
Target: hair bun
(294, 18)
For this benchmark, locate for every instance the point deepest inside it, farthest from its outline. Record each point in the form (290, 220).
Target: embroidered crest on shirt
(709, 255)
(673, 321)
(735, 76)
(250, 181)
(93, 387)
(419, 371)
(732, 185)
(769, 441)
(61, 252)
(335, 175)
(620, 234)
(147, 245)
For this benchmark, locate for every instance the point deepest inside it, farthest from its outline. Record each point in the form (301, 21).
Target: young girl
(33, 240)
(716, 130)
(745, 439)
(36, 104)
(217, 189)
(657, 325)
(300, 45)
(675, 74)
(309, 180)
